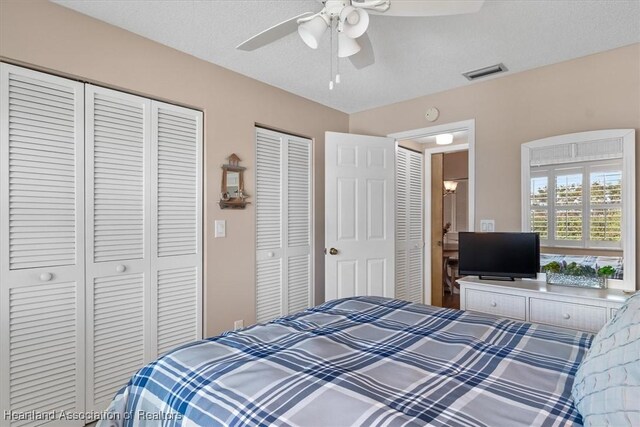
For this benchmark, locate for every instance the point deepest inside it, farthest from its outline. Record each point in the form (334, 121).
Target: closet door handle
(270, 254)
(493, 304)
(45, 277)
(121, 268)
(567, 316)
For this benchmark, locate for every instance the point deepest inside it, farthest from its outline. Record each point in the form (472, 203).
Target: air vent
(484, 72)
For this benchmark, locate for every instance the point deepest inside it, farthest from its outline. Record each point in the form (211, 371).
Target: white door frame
(470, 127)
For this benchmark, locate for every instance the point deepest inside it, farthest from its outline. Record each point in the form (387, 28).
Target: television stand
(504, 279)
(534, 301)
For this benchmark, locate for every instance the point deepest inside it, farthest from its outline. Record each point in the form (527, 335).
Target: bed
(364, 361)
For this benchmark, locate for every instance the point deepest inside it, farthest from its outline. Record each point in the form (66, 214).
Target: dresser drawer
(505, 305)
(567, 315)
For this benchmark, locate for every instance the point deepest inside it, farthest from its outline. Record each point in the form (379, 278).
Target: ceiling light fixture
(311, 31)
(354, 21)
(347, 46)
(349, 19)
(444, 139)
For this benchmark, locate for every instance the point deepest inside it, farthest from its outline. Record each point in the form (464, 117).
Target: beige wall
(50, 37)
(600, 91)
(595, 92)
(455, 165)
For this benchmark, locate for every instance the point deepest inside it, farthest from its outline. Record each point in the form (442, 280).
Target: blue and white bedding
(364, 361)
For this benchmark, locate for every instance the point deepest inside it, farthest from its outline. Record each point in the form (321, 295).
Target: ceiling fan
(350, 20)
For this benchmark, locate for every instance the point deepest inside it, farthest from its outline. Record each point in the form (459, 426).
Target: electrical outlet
(238, 324)
(220, 228)
(487, 225)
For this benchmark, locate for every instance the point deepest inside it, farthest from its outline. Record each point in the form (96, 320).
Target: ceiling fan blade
(431, 7)
(366, 56)
(272, 34)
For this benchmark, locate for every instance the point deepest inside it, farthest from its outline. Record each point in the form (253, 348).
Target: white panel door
(284, 236)
(41, 243)
(359, 215)
(117, 169)
(176, 226)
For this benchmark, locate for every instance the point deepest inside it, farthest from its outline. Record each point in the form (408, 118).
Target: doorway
(439, 248)
(455, 212)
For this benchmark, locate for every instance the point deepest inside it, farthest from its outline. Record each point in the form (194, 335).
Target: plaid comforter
(363, 361)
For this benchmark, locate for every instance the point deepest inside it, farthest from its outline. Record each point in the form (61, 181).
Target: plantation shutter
(117, 168)
(409, 226)
(176, 225)
(283, 224)
(42, 242)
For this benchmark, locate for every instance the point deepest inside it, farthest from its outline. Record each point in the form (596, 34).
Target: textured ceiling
(414, 56)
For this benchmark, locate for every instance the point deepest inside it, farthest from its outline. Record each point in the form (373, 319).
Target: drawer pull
(45, 277)
(494, 304)
(566, 316)
(121, 268)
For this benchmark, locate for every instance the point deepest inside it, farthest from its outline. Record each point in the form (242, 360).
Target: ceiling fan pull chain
(337, 67)
(331, 53)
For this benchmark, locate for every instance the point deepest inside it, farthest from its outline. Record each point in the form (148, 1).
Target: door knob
(333, 251)
(45, 277)
(121, 268)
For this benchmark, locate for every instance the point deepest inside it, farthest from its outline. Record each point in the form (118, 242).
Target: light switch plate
(487, 225)
(220, 228)
(238, 324)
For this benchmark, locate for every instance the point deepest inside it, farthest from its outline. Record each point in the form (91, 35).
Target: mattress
(363, 361)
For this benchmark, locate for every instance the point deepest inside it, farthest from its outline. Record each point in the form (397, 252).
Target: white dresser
(537, 302)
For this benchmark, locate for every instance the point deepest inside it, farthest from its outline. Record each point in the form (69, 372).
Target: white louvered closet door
(298, 232)
(409, 226)
(402, 223)
(117, 257)
(41, 243)
(176, 241)
(284, 263)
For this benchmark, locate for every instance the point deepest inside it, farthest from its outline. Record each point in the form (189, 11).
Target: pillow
(606, 389)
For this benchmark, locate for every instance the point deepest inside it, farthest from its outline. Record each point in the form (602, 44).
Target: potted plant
(574, 274)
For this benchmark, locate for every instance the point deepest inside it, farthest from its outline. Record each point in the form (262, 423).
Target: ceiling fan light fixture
(355, 21)
(444, 139)
(311, 31)
(347, 46)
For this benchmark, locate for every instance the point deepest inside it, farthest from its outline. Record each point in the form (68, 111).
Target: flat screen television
(499, 255)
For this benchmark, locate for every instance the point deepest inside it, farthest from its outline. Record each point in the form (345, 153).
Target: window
(579, 191)
(578, 205)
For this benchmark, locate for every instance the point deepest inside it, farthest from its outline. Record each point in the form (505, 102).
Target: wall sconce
(450, 187)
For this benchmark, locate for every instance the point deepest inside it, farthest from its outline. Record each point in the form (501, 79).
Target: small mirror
(233, 183)
(232, 193)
